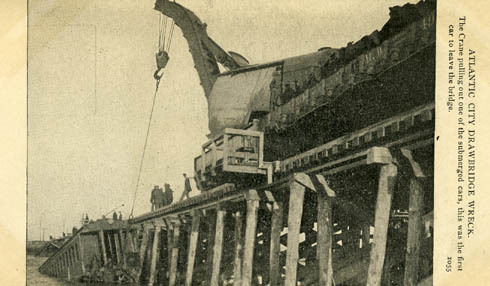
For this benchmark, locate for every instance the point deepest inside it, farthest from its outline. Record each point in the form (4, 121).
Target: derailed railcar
(96, 252)
(318, 169)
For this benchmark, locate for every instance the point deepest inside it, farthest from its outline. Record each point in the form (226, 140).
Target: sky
(90, 90)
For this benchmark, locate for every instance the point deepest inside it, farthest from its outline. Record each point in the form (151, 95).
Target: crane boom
(206, 54)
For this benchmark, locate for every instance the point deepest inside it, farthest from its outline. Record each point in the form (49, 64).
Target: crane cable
(170, 35)
(161, 48)
(162, 32)
(144, 148)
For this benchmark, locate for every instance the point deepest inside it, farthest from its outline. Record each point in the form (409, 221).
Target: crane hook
(162, 60)
(158, 74)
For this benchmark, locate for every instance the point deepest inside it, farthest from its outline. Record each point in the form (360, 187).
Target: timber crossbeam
(274, 223)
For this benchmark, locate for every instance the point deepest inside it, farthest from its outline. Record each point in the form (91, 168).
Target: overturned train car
(322, 174)
(318, 170)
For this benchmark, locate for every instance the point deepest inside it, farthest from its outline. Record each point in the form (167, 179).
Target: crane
(244, 91)
(206, 53)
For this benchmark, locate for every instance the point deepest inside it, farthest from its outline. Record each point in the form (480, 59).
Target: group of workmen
(160, 198)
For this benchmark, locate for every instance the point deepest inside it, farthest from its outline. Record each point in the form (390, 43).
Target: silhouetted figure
(120, 216)
(114, 216)
(86, 220)
(169, 194)
(187, 184)
(187, 187)
(157, 198)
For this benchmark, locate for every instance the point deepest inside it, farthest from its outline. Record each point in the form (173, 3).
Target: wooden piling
(387, 180)
(264, 248)
(143, 246)
(275, 249)
(324, 240)
(110, 247)
(102, 244)
(296, 197)
(170, 237)
(134, 241)
(218, 246)
(414, 232)
(149, 247)
(386, 275)
(123, 246)
(154, 255)
(211, 219)
(193, 239)
(248, 253)
(415, 227)
(175, 255)
(118, 247)
(80, 246)
(237, 263)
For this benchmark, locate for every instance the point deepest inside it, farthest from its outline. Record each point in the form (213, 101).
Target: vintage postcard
(249, 143)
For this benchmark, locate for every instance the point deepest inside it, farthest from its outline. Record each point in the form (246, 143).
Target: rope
(144, 148)
(161, 47)
(162, 31)
(170, 36)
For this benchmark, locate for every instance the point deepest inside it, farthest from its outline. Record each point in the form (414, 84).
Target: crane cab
(234, 152)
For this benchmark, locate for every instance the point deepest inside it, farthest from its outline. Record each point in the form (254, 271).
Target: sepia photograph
(241, 143)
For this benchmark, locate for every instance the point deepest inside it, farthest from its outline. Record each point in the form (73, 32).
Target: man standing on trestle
(187, 187)
(156, 198)
(169, 195)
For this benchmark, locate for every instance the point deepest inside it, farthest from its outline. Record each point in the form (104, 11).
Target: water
(35, 278)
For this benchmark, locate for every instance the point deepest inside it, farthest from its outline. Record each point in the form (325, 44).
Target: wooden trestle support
(93, 246)
(335, 223)
(330, 227)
